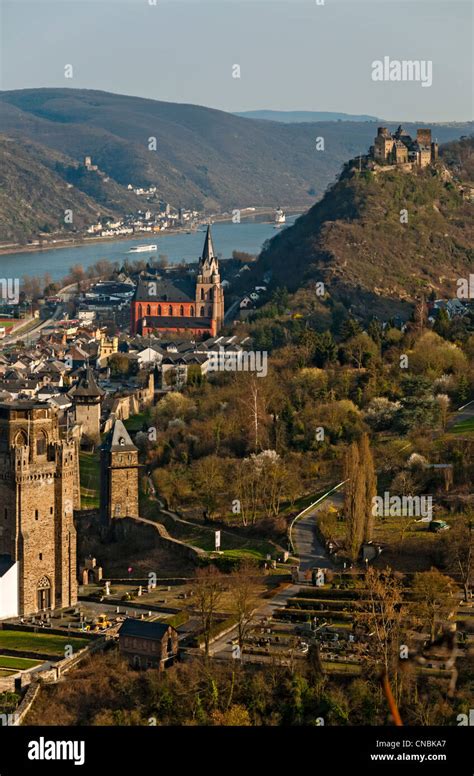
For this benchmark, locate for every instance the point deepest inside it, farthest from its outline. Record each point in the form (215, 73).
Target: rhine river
(247, 236)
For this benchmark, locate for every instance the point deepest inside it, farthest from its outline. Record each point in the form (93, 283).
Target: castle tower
(37, 497)
(209, 293)
(119, 475)
(87, 397)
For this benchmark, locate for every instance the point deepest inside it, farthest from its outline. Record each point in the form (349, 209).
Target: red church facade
(186, 305)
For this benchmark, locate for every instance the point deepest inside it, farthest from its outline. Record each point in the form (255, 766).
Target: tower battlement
(38, 493)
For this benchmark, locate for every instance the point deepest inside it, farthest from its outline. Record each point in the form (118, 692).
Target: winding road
(311, 554)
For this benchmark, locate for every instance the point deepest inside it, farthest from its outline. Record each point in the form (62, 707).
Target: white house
(8, 587)
(149, 355)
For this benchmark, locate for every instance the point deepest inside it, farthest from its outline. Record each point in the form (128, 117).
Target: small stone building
(148, 644)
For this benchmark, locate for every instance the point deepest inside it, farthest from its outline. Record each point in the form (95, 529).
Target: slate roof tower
(119, 475)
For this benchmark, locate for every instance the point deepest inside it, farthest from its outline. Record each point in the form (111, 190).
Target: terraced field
(37, 643)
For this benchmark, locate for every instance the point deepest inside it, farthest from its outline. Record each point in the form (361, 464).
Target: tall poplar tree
(366, 462)
(354, 501)
(360, 490)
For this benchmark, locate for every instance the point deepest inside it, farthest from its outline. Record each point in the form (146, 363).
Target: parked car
(438, 525)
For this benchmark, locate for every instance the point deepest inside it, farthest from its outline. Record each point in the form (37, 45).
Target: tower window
(159, 309)
(36, 514)
(192, 312)
(51, 510)
(41, 445)
(202, 293)
(6, 513)
(203, 312)
(170, 310)
(181, 310)
(41, 556)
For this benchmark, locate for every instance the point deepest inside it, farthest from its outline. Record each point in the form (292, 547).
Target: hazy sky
(293, 54)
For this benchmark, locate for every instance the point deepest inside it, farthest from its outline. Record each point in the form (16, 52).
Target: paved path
(310, 550)
(311, 554)
(222, 648)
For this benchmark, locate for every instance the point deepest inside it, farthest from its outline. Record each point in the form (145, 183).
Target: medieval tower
(209, 292)
(38, 493)
(87, 398)
(119, 475)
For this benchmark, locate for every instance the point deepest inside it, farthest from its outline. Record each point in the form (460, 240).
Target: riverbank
(83, 241)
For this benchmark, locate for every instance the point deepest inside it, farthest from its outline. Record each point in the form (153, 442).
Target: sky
(292, 54)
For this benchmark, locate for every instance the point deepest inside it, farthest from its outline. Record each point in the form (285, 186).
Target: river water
(247, 236)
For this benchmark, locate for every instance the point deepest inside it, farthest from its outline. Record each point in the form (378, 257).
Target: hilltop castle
(401, 148)
(39, 489)
(188, 305)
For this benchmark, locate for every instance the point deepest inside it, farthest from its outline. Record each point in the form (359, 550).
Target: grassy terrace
(136, 422)
(233, 544)
(89, 464)
(13, 663)
(37, 643)
(464, 427)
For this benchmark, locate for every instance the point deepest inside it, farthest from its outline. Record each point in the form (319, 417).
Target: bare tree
(208, 592)
(381, 616)
(435, 599)
(460, 552)
(244, 582)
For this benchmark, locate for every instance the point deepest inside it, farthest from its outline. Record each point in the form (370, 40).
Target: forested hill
(355, 241)
(38, 185)
(204, 158)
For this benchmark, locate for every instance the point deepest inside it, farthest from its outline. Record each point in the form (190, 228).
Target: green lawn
(89, 465)
(233, 544)
(464, 427)
(18, 663)
(135, 422)
(45, 643)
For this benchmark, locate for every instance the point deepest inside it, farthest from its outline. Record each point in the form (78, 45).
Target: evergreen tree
(325, 349)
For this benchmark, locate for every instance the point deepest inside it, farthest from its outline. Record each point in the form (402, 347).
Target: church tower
(38, 495)
(209, 293)
(87, 398)
(119, 475)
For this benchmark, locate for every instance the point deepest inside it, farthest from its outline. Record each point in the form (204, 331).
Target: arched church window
(43, 593)
(159, 309)
(203, 312)
(20, 439)
(140, 311)
(202, 293)
(148, 310)
(41, 444)
(181, 310)
(170, 310)
(192, 312)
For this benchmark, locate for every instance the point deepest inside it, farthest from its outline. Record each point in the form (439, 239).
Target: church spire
(208, 250)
